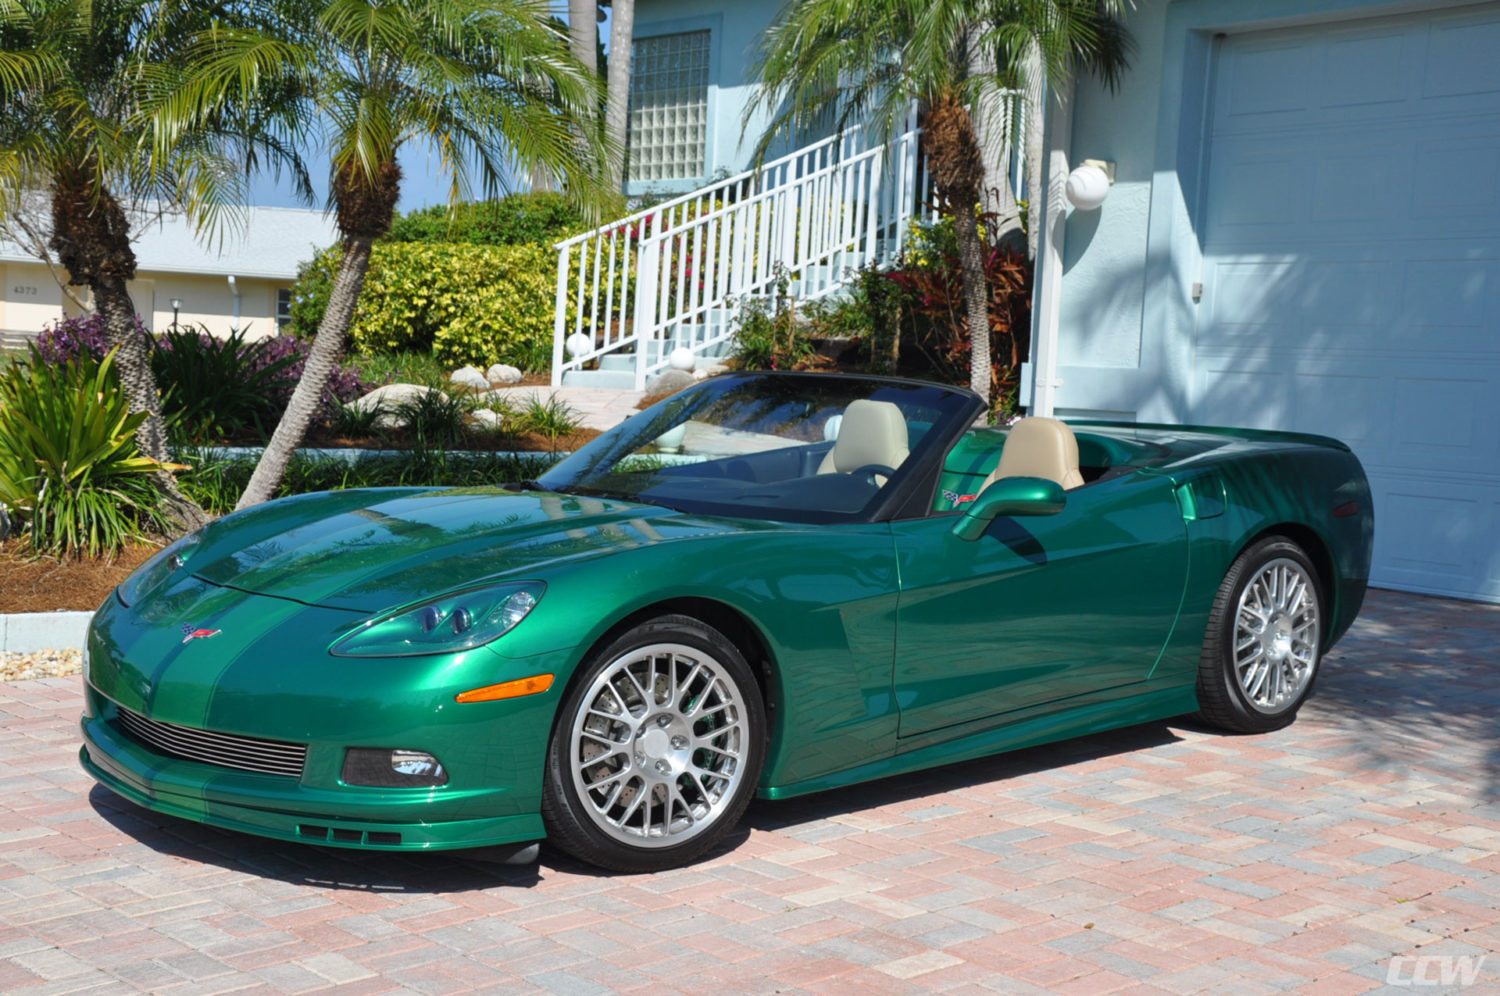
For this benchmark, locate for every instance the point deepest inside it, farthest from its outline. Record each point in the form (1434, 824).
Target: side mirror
(1010, 496)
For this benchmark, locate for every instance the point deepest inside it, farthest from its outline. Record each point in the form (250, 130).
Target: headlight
(459, 620)
(154, 572)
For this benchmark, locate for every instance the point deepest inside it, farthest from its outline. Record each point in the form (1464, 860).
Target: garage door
(1351, 233)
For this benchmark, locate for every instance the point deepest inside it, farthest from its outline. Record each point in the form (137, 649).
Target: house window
(283, 308)
(669, 107)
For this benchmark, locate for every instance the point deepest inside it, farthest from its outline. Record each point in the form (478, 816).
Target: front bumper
(270, 806)
(269, 677)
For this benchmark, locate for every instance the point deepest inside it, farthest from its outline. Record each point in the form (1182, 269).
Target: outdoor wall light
(1089, 184)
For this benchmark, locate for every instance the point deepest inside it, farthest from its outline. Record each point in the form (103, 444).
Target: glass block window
(283, 308)
(669, 107)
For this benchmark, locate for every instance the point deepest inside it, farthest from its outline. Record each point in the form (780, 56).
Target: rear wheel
(1263, 645)
(657, 748)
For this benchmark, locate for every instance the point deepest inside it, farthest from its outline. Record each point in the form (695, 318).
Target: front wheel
(657, 748)
(1263, 645)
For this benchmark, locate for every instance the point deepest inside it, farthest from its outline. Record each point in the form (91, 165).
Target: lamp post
(176, 307)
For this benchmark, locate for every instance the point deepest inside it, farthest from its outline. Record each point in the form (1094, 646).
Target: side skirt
(1076, 721)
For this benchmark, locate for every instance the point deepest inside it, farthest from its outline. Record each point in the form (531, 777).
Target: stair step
(618, 362)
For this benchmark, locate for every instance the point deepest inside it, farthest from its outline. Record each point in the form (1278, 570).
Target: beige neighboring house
(243, 283)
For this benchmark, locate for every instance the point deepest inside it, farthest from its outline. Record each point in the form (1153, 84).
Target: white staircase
(678, 273)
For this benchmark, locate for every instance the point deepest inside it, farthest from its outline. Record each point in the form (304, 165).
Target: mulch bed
(46, 584)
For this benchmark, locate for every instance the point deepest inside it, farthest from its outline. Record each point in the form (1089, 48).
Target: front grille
(270, 757)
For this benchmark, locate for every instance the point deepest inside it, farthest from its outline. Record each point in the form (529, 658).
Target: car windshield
(795, 447)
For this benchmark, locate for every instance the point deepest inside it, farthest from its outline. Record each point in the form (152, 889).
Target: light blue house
(1303, 232)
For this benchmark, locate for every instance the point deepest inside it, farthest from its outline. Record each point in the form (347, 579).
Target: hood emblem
(191, 633)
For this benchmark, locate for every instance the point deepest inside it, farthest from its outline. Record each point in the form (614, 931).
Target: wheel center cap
(1280, 633)
(656, 743)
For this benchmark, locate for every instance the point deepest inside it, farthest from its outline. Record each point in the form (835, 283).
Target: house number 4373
(24, 290)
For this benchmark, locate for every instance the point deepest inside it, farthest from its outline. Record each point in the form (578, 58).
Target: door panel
(1039, 608)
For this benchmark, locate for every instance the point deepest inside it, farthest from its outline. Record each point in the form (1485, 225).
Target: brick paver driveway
(1165, 857)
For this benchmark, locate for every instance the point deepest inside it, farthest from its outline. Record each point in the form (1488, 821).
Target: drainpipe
(1047, 305)
(234, 292)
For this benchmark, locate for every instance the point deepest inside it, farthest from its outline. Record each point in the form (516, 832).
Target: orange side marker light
(534, 685)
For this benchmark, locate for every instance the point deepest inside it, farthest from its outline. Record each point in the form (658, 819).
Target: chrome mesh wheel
(657, 746)
(1277, 632)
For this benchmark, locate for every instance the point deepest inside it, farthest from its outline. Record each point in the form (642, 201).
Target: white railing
(679, 273)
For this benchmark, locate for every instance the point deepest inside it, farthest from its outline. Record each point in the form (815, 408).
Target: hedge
(541, 218)
(469, 304)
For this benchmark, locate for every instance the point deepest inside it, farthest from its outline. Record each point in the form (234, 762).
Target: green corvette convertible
(767, 584)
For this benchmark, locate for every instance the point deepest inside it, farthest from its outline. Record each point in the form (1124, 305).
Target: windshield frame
(913, 484)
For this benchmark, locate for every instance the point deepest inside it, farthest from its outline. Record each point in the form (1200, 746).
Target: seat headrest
(1040, 447)
(872, 432)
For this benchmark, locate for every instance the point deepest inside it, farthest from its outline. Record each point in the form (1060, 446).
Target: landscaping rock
(668, 381)
(501, 374)
(470, 377)
(389, 398)
(483, 418)
(42, 664)
(714, 369)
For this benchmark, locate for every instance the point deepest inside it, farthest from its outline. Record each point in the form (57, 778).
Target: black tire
(571, 823)
(1222, 700)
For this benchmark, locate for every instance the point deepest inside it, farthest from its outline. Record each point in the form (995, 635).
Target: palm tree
(78, 82)
(489, 84)
(873, 60)
(583, 31)
(617, 100)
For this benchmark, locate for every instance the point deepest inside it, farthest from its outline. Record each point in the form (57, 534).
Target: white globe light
(1087, 187)
(578, 344)
(682, 358)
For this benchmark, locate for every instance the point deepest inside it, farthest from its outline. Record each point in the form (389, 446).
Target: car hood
(368, 550)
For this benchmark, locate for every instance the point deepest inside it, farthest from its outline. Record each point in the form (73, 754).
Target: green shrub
(520, 219)
(216, 387)
(69, 467)
(467, 304)
(310, 293)
(216, 483)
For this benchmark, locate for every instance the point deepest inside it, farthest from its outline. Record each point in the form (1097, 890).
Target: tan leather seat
(872, 432)
(1040, 447)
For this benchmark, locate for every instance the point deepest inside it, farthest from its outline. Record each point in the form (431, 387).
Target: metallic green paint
(1011, 496)
(888, 646)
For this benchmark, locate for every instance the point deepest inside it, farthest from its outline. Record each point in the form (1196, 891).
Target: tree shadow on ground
(1417, 682)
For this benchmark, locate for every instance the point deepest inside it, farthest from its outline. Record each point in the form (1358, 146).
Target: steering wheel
(873, 470)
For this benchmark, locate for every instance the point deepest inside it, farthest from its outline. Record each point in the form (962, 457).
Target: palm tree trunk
(617, 106)
(1036, 152)
(976, 299)
(322, 361)
(133, 363)
(957, 164)
(583, 30)
(91, 236)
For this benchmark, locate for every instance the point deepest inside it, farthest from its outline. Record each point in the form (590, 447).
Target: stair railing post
(560, 317)
(647, 274)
